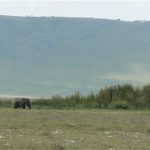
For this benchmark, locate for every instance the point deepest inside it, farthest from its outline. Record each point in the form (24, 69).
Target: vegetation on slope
(45, 56)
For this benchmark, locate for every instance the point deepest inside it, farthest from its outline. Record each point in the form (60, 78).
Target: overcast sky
(125, 10)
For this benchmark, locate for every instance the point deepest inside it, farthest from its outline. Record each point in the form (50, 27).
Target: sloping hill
(43, 56)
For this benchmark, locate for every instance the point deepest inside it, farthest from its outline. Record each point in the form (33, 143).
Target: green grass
(123, 96)
(74, 129)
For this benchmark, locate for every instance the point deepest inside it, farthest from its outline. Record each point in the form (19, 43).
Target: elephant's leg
(29, 105)
(15, 105)
(23, 106)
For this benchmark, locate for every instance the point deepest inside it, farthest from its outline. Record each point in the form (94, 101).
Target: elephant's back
(16, 100)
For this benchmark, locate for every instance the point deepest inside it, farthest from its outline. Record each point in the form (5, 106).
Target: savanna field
(74, 129)
(117, 118)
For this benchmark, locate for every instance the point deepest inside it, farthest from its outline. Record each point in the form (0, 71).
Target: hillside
(43, 56)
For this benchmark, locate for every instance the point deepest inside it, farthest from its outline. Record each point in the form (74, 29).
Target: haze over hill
(45, 56)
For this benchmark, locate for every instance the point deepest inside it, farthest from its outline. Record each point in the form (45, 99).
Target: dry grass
(74, 129)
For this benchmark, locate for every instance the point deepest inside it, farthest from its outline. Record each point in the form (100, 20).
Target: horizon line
(75, 17)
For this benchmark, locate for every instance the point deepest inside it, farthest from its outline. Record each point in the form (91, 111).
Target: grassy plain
(74, 129)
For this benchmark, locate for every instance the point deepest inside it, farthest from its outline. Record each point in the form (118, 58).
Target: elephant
(21, 103)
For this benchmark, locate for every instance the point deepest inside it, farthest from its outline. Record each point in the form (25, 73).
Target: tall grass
(118, 96)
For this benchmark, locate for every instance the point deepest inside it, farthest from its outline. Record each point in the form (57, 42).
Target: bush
(5, 103)
(119, 105)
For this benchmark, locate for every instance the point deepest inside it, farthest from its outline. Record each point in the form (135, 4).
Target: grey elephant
(21, 103)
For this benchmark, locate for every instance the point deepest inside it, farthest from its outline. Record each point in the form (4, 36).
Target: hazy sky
(125, 10)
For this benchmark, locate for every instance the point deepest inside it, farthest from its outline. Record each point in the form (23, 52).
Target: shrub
(119, 105)
(5, 103)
